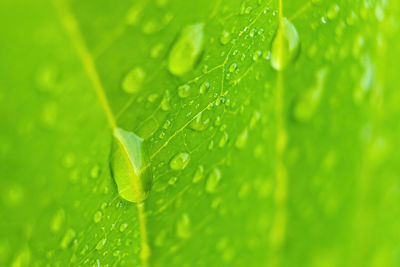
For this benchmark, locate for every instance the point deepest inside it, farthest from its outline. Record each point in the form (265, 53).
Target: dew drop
(232, 67)
(97, 216)
(183, 226)
(285, 46)
(333, 11)
(183, 91)
(223, 140)
(68, 237)
(199, 123)
(307, 104)
(186, 50)
(199, 174)
(179, 161)
(57, 220)
(133, 80)
(242, 139)
(130, 166)
(95, 171)
(204, 87)
(101, 244)
(213, 180)
(123, 227)
(165, 102)
(225, 37)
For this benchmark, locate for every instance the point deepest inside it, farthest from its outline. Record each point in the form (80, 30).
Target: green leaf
(271, 128)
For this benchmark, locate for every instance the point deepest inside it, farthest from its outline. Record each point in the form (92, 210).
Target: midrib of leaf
(278, 230)
(72, 28)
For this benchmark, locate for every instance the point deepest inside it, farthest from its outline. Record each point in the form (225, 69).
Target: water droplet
(183, 91)
(133, 80)
(97, 216)
(213, 180)
(333, 11)
(285, 46)
(242, 139)
(305, 107)
(223, 140)
(172, 180)
(199, 124)
(57, 220)
(101, 244)
(130, 166)
(183, 226)
(165, 102)
(123, 227)
(232, 67)
(225, 37)
(95, 171)
(179, 161)
(186, 50)
(204, 87)
(199, 174)
(67, 239)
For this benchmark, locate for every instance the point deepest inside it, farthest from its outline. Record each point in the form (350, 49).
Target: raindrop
(186, 50)
(199, 174)
(225, 37)
(183, 91)
(57, 220)
(130, 166)
(242, 139)
(183, 226)
(68, 237)
(95, 171)
(223, 140)
(285, 46)
(213, 180)
(123, 227)
(101, 244)
(204, 87)
(199, 124)
(97, 216)
(133, 80)
(179, 161)
(307, 104)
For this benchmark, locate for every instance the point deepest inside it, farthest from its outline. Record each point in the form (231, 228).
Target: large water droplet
(213, 180)
(305, 107)
(285, 46)
(133, 80)
(186, 50)
(130, 166)
(179, 161)
(68, 237)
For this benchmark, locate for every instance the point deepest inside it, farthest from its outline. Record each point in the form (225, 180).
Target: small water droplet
(242, 139)
(183, 91)
(307, 104)
(225, 37)
(67, 239)
(95, 171)
(333, 11)
(223, 140)
(199, 174)
(130, 166)
(101, 244)
(123, 227)
(213, 180)
(179, 161)
(165, 102)
(186, 50)
(232, 67)
(133, 80)
(199, 123)
(204, 87)
(97, 216)
(285, 46)
(183, 226)
(57, 220)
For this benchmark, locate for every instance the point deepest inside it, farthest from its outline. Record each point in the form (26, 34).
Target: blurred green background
(303, 163)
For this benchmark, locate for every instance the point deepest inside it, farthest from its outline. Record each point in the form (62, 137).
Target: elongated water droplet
(183, 91)
(67, 239)
(97, 216)
(213, 180)
(130, 166)
(242, 139)
(285, 46)
(101, 244)
(183, 227)
(58, 220)
(133, 80)
(307, 104)
(179, 161)
(186, 50)
(199, 174)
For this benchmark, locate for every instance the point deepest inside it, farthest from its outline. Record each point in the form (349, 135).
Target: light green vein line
(74, 32)
(278, 230)
(301, 10)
